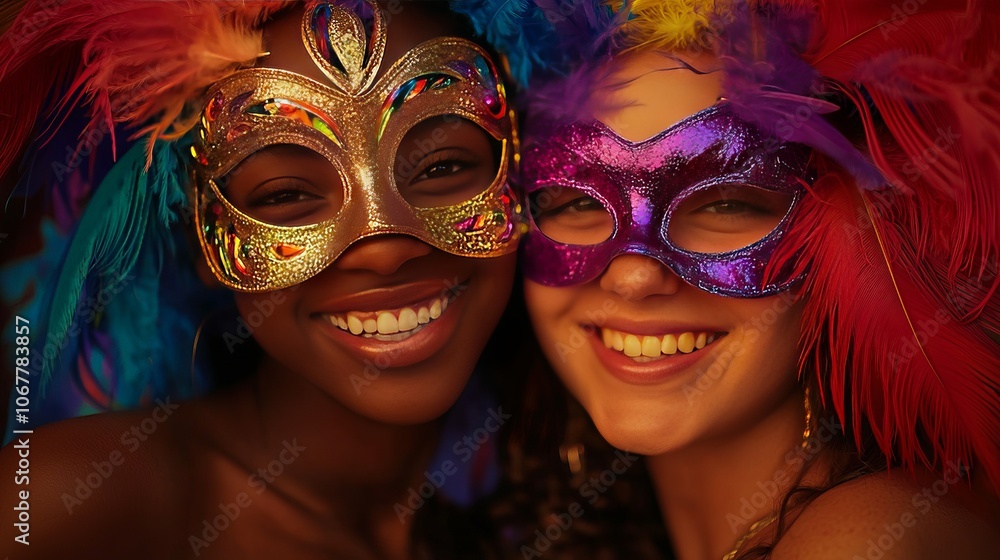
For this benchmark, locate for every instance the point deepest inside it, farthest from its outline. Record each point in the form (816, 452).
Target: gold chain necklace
(753, 530)
(762, 523)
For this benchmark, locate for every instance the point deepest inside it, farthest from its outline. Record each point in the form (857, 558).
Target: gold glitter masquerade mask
(356, 124)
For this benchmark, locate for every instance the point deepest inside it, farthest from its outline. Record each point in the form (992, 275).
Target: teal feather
(106, 244)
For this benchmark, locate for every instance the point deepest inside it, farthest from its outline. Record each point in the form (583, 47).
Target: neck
(348, 466)
(712, 492)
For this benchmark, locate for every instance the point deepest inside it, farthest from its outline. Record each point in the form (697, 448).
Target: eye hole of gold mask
(445, 160)
(285, 185)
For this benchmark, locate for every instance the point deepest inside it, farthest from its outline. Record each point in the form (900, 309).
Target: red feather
(134, 63)
(902, 318)
(934, 77)
(880, 332)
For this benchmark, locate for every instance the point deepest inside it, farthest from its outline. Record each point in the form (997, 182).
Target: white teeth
(618, 342)
(355, 325)
(389, 322)
(634, 346)
(685, 342)
(651, 347)
(407, 319)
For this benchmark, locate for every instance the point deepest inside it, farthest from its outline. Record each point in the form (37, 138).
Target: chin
(631, 429)
(396, 406)
(415, 394)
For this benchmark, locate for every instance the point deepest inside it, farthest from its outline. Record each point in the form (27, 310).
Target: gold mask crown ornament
(356, 123)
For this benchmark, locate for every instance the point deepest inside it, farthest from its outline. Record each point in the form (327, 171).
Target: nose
(381, 254)
(634, 277)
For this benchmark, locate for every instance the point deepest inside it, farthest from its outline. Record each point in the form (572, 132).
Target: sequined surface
(639, 183)
(356, 123)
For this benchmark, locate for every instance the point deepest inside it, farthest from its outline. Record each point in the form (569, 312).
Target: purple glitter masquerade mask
(710, 197)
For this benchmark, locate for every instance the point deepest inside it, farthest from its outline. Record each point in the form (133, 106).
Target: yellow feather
(672, 25)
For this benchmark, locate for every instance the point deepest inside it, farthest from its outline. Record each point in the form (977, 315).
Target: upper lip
(653, 327)
(381, 299)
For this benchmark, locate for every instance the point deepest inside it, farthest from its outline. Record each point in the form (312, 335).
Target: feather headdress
(901, 320)
(899, 238)
(123, 291)
(557, 47)
(132, 63)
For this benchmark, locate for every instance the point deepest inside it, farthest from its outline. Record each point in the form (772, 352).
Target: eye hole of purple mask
(709, 197)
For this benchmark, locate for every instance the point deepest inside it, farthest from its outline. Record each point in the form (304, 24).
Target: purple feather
(768, 83)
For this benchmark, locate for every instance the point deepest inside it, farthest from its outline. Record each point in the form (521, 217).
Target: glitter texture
(356, 123)
(640, 184)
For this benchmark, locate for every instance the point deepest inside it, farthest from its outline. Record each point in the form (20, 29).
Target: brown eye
(723, 218)
(283, 191)
(440, 170)
(285, 185)
(444, 161)
(570, 216)
(732, 208)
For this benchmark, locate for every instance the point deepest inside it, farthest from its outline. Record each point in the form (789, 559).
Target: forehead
(412, 25)
(649, 91)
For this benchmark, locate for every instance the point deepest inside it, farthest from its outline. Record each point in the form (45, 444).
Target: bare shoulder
(890, 515)
(84, 482)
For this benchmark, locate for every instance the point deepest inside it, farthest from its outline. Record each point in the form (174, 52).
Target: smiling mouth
(647, 347)
(394, 324)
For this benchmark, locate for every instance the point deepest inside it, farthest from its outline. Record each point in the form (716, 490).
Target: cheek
(772, 335)
(555, 315)
(548, 307)
(267, 317)
(498, 273)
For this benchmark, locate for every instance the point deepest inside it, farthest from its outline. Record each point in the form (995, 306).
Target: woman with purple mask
(763, 254)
